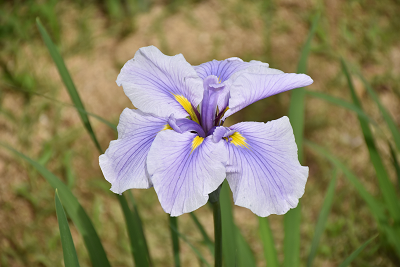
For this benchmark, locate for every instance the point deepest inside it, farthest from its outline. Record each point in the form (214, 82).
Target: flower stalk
(217, 233)
(214, 200)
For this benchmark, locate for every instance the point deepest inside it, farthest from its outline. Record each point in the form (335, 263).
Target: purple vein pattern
(175, 139)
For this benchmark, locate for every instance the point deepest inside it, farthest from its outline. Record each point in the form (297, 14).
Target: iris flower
(175, 139)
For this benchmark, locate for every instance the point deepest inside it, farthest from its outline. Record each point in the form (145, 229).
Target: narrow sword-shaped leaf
(356, 252)
(322, 218)
(70, 257)
(207, 241)
(377, 209)
(342, 103)
(385, 114)
(292, 219)
(245, 255)
(66, 78)
(267, 239)
(75, 211)
(173, 224)
(395, 163)
(78, 104)
(138, 251)
(228, 227)
(199, 255)
(138, 225)
(386, 187)
(296, 108)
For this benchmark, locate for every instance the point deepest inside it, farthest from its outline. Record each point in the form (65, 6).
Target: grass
(48, 131)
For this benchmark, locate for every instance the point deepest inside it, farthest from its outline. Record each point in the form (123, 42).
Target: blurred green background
(97, 37)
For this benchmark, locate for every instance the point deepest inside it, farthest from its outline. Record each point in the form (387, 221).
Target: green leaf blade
(342, 103)
(67, 80)
(138, 249)
(267, 239)
(75, 211)
(385, 114)
(292, 219)
(195, 250)
(69, 252)
(138, 225)
(356, 253)
(386, 187)
(377, 209)
(228, 227)
(173, 224)
(206, 239)
(323, 217)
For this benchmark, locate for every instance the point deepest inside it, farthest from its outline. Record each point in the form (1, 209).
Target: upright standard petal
(124, 162)
(159, 84)
(248, 88)
(224, 69)
(263, 170)
(184, 169)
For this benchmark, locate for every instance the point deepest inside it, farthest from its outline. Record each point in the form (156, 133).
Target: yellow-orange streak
(187, 106)
(167, 127)
(238, 140)
(196, 142)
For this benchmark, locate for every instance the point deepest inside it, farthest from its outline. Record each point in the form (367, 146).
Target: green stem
(217, 233)
(173, 221)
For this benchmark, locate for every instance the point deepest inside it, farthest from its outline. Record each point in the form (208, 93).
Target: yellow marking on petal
(238, 140)
(167, 127)
(196, 142)
(187, 106)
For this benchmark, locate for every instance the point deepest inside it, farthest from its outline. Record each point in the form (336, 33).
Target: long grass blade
(75, 211)
(395, 163)
(385, 114)
(323, 217)
(356, 253)
(245, 255)
(66, 78)
(342, 103)
(377, 209)
(386, 187)
(228, 227)
(138, 248)
(206, 239)
(70, 257)
(195, 250)
(292, 219)
(267, 239)
(173, 224)
(56, 101)
(138, 225)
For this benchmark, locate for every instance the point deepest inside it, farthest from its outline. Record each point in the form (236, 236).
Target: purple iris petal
(225, 68)
(185, 125)
(124, 162)
(266, 176)
(212, 90)
(221, 132)
(190, 161)
(182, 176)
(151, 79)
(250, 87)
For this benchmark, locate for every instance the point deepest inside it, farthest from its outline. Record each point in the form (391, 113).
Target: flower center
(212, 92)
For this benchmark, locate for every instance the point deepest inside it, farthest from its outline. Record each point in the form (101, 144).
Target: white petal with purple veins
(151, 80)
(248, 88)
(124, 162)
(224, 69)
(185, 169)
(265, 174)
